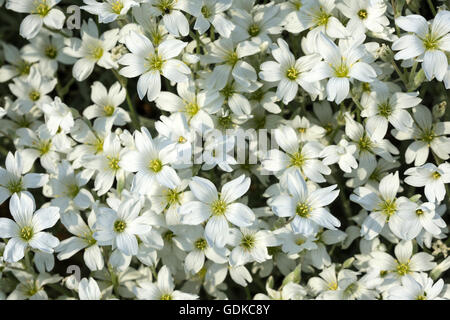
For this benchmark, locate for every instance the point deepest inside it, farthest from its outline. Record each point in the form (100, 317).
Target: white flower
(381, 109)
(420, 287)
(82, 239)
(427, 135)
(15, 180)
(228, 57)
(47, 51)
(341, 66)
(58, 116)
(107, 164)
(121, 226)
(88, 289)
(421, 216)
(67, 188)
(365, 14)
(297, 156)
(305, 207)
(32, 91)
(289, 73)
(26, 229)
(432, 177)
(212, 12)
(217, 209)
(162, 290)
(41, 12)
(92, 50)
(428, 42)
(172, 17)
(149, 63)
(106, 108)
(151, 160)
(318, 16)
(405, 262)
(250, 245)
(342, 153)
(216, 152)
(109, 10)
(384, 207)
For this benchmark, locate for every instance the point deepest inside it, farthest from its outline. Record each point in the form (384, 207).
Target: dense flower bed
(215, 149)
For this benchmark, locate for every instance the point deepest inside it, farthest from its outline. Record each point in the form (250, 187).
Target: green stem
(400, 73)
(412, 76)
(134, 117)
(65, 35)
(432, 8)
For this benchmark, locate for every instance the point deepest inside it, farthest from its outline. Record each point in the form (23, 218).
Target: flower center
(15, 186)
(388, 207)
(231, 58)
(166, 6)
(362, 14)
(117, 7)
(402, 268)
(366, 87)
(26, 233)
(227, 91)
(341, 71)
(292, 73)
(155, 165)
(51, 52)
(41, 8)
(191, 108)
(419, 212)
(154, 62)
(225, 122)
(97, 53)
(298, 159)
(44, 146)
(321, 17)
(385, 109)
(248, 242)
(303, 210)
(201, 244)
(421, 297)
(168, 236)
(173, 196)
(109, 110)
(34, 95)
(98, 146)
(254, 29)
(301, 130)
(23, 67)
(119, 226)
(430, 42)
(166, 297)
(436, 175)
(113, 163)
(90, 239)
(427, 136)
(365, 143)
(206, 11)
(332, 286)
(218, 207)
(73, 190)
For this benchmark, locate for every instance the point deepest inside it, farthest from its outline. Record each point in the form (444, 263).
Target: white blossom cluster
(300, 150)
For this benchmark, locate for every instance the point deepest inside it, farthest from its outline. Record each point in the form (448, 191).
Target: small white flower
(122, 226)
(27, 228)
(149, 63)
(432, 178)
(289, 73)
(217, 209)
(164, 289)
(305, 207)
(41, 12)
(343, 154)
(427, 42)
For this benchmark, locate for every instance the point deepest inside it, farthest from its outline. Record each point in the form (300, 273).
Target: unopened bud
(385, 53)
(439, 110)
